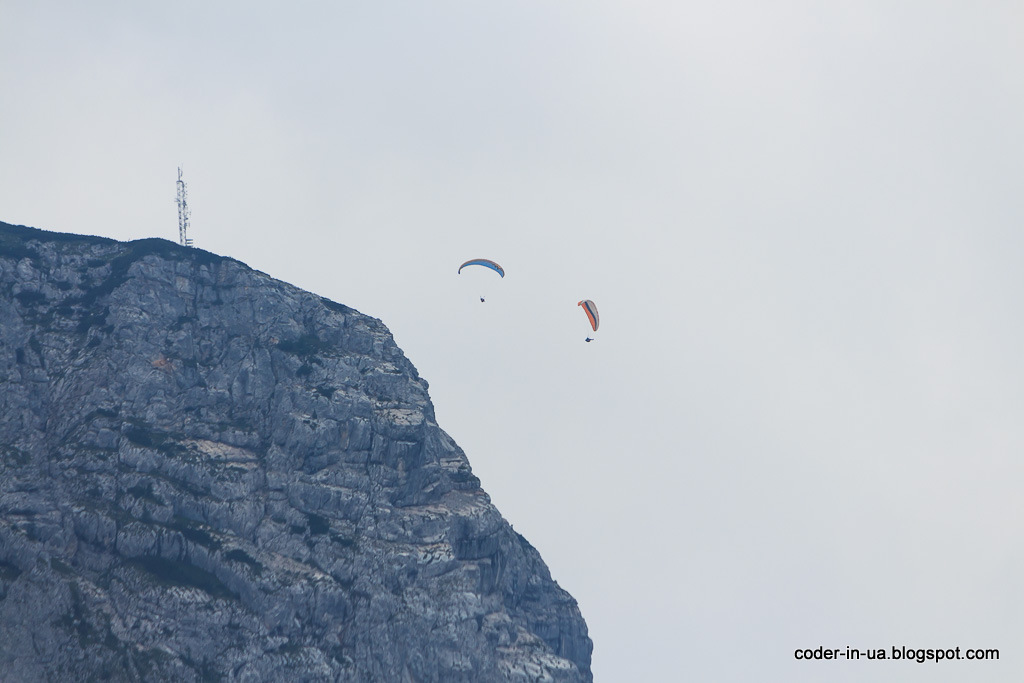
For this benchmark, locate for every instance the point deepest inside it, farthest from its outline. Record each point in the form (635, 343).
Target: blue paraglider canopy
(486, 263)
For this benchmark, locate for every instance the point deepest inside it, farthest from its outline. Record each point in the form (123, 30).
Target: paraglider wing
(591, 310)
(486, 263)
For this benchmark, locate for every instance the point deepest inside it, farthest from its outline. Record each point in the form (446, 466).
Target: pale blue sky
(802, 223)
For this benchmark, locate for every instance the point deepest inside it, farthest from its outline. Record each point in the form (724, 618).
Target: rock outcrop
(209, 474)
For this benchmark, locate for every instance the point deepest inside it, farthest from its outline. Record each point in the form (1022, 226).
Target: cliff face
(208, 474)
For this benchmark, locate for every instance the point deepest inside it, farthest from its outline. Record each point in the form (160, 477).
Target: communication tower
(183, 213)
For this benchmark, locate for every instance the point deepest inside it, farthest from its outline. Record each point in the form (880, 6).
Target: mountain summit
(207, 474)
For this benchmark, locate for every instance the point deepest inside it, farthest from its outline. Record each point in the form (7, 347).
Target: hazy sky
(802, 222)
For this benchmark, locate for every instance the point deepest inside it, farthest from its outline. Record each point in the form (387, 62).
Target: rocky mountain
(207, 474)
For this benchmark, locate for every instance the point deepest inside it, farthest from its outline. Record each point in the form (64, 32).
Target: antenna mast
(183, 213)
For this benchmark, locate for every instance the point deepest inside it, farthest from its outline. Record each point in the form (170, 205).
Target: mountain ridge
(216, 475)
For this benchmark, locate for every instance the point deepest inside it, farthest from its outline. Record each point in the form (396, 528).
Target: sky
(800, 424)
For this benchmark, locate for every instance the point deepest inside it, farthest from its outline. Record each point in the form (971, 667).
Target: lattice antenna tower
(183, 213)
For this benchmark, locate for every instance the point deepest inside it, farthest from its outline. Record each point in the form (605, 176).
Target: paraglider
(486, 263)
(591, 310)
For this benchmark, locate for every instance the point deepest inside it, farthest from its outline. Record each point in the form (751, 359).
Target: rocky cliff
(208, 474)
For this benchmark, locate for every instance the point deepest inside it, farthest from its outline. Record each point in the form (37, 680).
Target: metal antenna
(183, 213)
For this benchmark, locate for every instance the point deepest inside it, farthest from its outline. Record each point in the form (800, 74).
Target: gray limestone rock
(208, 474)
